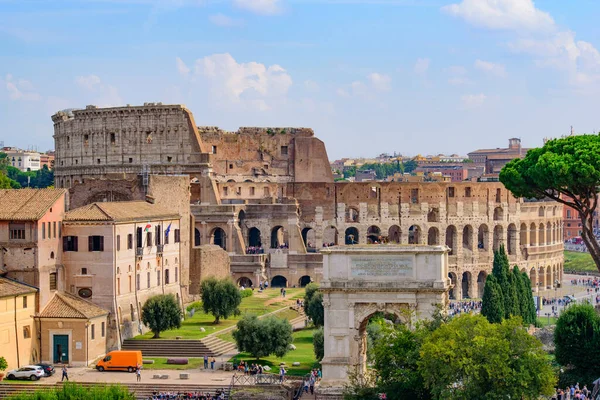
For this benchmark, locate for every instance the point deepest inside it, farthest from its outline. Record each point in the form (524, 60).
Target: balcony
(139, 252)
(159, 249)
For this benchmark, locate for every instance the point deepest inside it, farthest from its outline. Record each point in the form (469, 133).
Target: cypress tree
(492, 303)
(530, 316)
(511, 296)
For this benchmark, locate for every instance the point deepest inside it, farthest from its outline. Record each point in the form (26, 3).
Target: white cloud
(502, 14)
(458, 76)
(90, 82)
(262, 7)
(491, 68)
(473, 100)
(421, 66)
(20, 89)
(311, 86)
(224, 20)
(183, 69)
(101, 94)
(380, 82)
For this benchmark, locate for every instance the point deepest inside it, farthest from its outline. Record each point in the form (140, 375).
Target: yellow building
(17, 330)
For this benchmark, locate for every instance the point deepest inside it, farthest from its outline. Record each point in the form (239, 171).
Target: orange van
(120, 360)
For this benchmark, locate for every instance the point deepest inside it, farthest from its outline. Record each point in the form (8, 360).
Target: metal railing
(160, 248)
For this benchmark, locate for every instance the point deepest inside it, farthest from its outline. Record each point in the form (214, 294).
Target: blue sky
(369, 76)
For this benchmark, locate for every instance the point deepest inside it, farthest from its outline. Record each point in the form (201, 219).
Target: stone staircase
(210, 346)
(142, 391)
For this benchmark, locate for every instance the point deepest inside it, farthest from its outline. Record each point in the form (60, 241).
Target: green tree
(577, 342)
(5, 182)
(525, 297)
(492, 305)
(221, 298)
(471, 359)
(263, 337)
(161, 313)
(319, 344)
(566, 170)
(309, 291)
(315, 310)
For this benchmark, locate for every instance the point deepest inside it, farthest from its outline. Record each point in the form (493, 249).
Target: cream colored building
(119, 254)
(72, 331)
(17, 331)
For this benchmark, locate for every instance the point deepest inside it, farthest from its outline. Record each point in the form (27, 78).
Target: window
(224, 190)
(86, 138)
(148, 278)
(148, 239)
(98, 161)
(176, 274)
(414, 196)
(83, 271)
(113, 138)
(467, 192)
(43, 230)
(24, 301)
(52, 255)
(118, 242)
(49, 230)
(167, 236)
(129, 241)
(137, 282)
(70, 243)
(177, 236)
(166, 276)
(498, 195)
(59, 229)
(26, 332)
(568, 213)
(96, 243)
(169, 158)
(252, 191)
(266, 191)
(130, 160)
(119, 286)
(157, 231)
(93, 331)
(157, 278)
(103, 329)
(284, 150)
(17, 231)
(214, 149)
(238, 191)
(230, 166)
(130, 290)
(54, 230)
(53, 281)
(450, 192)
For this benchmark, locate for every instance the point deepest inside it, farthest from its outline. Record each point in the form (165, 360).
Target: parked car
(31, 372)
(48, 369)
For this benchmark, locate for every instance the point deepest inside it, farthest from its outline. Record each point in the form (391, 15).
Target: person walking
(212, 363)
(282, 372)
(138, 372)
(311, 382)
(205, 361)
(65, 373)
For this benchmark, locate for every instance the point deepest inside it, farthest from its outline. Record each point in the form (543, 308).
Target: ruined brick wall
(99, 190)
(311, 161)
(207, 261)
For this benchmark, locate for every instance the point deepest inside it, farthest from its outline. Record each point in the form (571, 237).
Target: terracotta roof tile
(120, 211)
(66, 305)
(9, 288)
(27, 204)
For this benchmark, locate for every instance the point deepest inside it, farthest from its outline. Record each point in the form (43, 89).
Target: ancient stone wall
(207, 261)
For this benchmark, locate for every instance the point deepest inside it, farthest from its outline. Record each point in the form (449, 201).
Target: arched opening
(351, 235)
(433, 215)
(352, 214)
(523, 235)
(466, 285)
(373, 234)
(467, 237)
(549, 277)
(414, 234)
(533, 277)
(241, 218)
(541, 211)
(548, 234)
(218, 238)
(52, 255)
(542, 237)
(433, 236)
(451, 239)
(305, 280)
(541, 278)
(394, 234)
(511, 239)
(277, 237)
(308, 237)
(483, 238)
(498, 237)
(481, 283)
(498, 214)
(245, 282)
(196, 237)
(254, 237)
(532, 235)
(452, 294)
(279, 281)
(330, 236)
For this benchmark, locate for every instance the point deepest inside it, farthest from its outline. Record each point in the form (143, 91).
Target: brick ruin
(273, 188)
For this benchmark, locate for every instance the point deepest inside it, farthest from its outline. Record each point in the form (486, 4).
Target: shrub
(3, 364)
(246, 293)
(73, 391)
(197, 305)
(263, 337)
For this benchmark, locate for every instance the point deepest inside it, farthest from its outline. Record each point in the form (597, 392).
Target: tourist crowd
(573, 392)
(255, 250)
(309, 382)
(461, 307)
(249, 369)
(218, 395)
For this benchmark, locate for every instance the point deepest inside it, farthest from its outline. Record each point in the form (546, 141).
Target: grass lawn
(161, 363)
(304, 354)
(259, 303)
(576, 261)
(543, 321)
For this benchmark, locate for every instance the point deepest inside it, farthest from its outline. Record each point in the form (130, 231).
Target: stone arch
(549, 277)
(277, 237)
(254, 239)
(548, 234)
(481, 277)
(483, 237)
(241, 218)
(52, 255)
(304, 280)
(541, 281)
(394, 234)
(532, 235)
(373, 234)
(308, 237)
(533, 277)
(414, 234)
(351, 235)
(467, 237)
(218, 237)
(452, 293)
(541, 212)
(498, 214)
(352, 214)
(279, 281)
(451, 239)
(523, 234)
(511, 239)
(245, 282)
(330, 235)
(498, 237)
(196, 237)
(433, 236)
(542, 237)
(466, 285)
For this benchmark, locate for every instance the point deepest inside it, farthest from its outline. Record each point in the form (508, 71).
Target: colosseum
(267, 197)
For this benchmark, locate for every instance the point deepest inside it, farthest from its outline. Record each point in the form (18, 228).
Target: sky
(369, 76)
